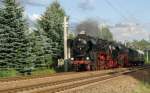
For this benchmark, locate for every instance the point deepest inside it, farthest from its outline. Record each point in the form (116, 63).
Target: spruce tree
(37, 48)
(14, 44)
(52, 24)
(3, 40)
(40, 57)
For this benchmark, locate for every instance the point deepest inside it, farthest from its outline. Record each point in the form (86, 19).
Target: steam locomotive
(89, 53)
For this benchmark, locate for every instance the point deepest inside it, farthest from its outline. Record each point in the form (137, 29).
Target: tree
(106, 34)
(71, 35)
(52, 24)
(141, 44)
(91, 27)
(14, 44)
(38, 43)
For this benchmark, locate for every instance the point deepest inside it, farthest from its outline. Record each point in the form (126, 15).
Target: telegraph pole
(101, 31)
(147, 56)
(65, 43)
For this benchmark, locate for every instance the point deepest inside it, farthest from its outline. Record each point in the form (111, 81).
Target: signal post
(65, 43)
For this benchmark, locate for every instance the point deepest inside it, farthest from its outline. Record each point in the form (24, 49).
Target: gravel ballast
(122, 84)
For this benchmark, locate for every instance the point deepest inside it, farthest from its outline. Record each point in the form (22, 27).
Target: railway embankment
(137, 82)
(121, 80)
(34, 83)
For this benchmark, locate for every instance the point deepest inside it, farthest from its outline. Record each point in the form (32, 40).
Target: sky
(127, 19)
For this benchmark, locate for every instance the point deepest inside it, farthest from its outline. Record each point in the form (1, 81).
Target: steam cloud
(89, 26)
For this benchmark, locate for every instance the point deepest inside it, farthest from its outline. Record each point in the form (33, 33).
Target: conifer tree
(52, 24)
(13, 42)
(40, 57)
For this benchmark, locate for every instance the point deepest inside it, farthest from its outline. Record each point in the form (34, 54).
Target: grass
(8, 73)
(43, 71)
(147, 62)
(14, 73)
(144, 87)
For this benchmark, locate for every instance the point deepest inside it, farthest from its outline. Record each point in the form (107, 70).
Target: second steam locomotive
(89, 53)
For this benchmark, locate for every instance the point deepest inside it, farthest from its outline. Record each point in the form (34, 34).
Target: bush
(8, 72)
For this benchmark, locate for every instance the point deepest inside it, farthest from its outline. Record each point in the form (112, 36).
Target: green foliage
(39, 57)
(52, 24)
(14, 44)
(71, 36)
(8, 73)
(143, 88)
(38, 49)
(142, 44)
(36, 45)
(106, 34)
(48, 60)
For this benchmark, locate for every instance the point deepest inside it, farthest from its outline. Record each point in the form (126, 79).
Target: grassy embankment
(13, 73)
(8, 73)
(43, 71)
(144, 87)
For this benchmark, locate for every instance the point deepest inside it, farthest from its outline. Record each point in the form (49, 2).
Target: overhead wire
(131, 15)
(126, 11)
(115, 9)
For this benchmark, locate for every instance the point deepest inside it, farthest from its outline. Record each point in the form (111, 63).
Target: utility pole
(65, 43)
(147, 56)
(101, 31)
(125, 43)
(149, 37)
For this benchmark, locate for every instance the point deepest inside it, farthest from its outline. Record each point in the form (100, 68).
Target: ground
(138, 82)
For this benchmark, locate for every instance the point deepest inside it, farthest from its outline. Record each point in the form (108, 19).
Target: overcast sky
(128, 19)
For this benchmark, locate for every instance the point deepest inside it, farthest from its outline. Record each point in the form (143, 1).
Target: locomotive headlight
(72, 58)
(87, 58)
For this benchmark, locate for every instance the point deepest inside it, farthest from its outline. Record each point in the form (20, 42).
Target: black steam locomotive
(89, 53)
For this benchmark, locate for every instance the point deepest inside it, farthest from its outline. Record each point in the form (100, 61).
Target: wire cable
(115, 9)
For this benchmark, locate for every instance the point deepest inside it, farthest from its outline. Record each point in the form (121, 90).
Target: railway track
(57, 86)
(17, 78)
(29, 87)
(74, 84)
